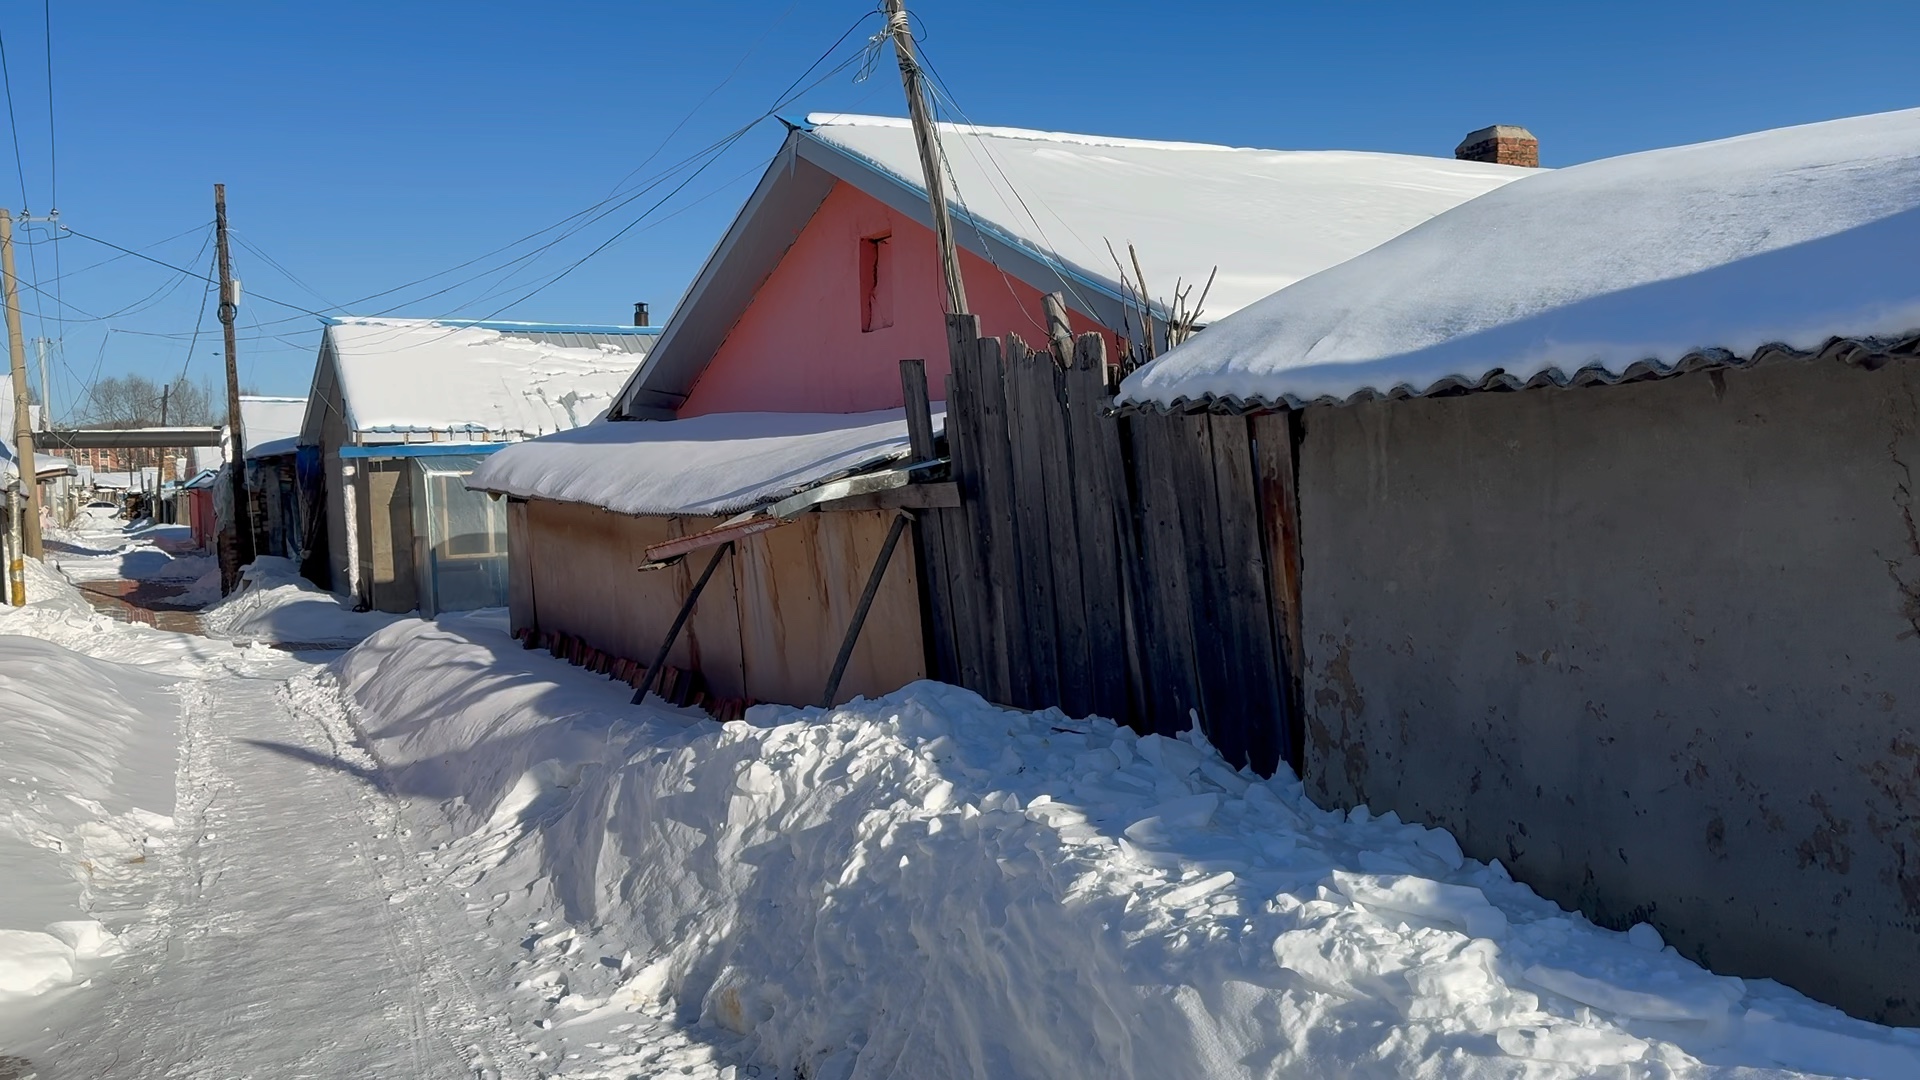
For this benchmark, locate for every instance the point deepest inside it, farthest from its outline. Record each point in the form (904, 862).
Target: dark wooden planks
(1103, 530)
(1252, 701)
(928, 540)
(1013, 649)
(980, 667)
(1163, 618)
(1275, 436)
(1031, 419)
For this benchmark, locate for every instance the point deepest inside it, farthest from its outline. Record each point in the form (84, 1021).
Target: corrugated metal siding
(637, 345)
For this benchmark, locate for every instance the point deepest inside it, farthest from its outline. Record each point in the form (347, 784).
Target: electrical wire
(53, 151)
(70, 231)
(577, 222)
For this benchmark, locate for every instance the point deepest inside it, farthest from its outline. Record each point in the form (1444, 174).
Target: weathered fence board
(1110, 565)
(1103, 530)
(1029, 419)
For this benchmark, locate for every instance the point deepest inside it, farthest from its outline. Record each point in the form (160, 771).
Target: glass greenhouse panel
(460, 538)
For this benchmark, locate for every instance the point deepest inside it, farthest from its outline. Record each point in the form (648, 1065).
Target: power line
(13, 121)
(53, 155)
(614, 202)
(182, 270)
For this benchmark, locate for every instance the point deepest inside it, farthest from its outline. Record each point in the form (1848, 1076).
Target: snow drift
(86, 789)
(930, 886)
(275, 605)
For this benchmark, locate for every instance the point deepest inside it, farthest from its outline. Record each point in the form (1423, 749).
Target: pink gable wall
(799, 347)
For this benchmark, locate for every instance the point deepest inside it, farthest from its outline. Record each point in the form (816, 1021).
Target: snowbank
(716, 464)
(275, 605)
(931, 886)
(1784, 237)
(86, 790)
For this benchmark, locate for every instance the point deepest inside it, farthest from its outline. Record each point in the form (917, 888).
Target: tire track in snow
(286, 942)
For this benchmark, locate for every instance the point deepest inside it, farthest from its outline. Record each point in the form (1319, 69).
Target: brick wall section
(1503, 151)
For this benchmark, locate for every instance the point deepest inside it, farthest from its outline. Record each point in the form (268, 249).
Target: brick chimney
(1501, 144)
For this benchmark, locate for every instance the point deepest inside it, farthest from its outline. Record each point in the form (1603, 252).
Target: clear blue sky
(368, 145)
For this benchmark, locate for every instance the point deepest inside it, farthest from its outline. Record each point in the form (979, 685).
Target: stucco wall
(1655, 647)
(800, 347)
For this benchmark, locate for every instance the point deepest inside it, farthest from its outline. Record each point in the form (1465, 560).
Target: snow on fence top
(271, 425)
(418, 375)
(1790, 238)
(1266, 218)
(722, 463)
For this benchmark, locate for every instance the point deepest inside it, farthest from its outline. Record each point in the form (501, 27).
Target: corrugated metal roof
(1867, 353)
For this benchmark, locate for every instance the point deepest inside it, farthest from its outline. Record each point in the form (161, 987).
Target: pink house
(827, 279)
(778, 381)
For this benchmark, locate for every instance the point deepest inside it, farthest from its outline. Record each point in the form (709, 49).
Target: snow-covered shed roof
(1792, 241)
(722, 463)
(1044, 205)
(271, 425)
(46, 466)
(401, 377)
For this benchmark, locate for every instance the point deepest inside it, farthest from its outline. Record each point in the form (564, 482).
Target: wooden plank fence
(1122, 566)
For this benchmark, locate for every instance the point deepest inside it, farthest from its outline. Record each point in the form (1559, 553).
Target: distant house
(202, 519)
(1606, 555)
(779, 373)
(54, 473)
(401, 409)
(270, 427)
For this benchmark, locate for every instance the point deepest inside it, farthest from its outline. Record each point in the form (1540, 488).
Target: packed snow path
(293, 943)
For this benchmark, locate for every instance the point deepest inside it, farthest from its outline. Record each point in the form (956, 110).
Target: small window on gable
(876, 283)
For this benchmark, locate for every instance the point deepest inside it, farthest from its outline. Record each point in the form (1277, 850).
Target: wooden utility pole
(22, 418)
(236, 549)
(930, 159)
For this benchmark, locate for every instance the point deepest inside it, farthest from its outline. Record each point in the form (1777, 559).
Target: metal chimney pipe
(640, 315)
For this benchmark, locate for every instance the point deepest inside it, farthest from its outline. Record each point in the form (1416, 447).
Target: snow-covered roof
(1266, 218)
(271, 425)
(1719, 251)
(721, 463)
(400, 376)
(46, 466)
(1043, 207)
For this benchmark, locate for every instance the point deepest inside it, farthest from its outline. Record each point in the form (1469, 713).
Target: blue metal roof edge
(419, 450)
(498, 324)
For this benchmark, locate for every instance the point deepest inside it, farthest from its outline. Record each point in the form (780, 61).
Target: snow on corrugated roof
(1266, 218)
(721, 463)
(271, 425)
(416, 375)
(1790, 238)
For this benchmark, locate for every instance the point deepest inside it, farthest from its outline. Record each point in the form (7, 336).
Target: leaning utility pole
(22, 419)
(236, 549)
(930, 160)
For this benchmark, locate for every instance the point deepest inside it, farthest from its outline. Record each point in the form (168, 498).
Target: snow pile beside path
(86, 789)
(277, 606)
(928, 885)
(58, 613)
